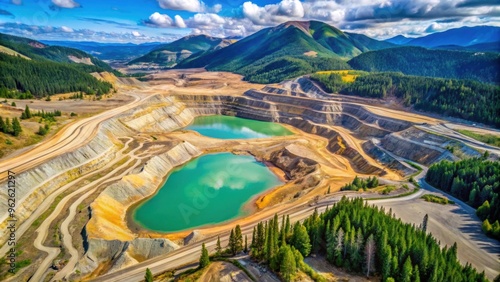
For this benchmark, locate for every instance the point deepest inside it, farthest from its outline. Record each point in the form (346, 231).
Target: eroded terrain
(77, 188)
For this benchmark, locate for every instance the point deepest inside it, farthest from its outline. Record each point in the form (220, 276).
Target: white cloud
(217, 8)
(66, 29)
(186, 5)
(69, 4)
(57, 33)
(179, 21)
(160, 20)
(274, 13)
(291, 8)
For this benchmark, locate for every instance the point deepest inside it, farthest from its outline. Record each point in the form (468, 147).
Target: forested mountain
(172, 53)
(41, 78)
(288, 50)
(465, 99)
(463, 36)
(109, 51)
(40, 70)
(475, 181)
(399, 40)
(38, 51)
(434, 63)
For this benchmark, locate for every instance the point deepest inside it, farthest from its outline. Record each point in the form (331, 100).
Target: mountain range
(478, 38)
(108, 51)
(289, 49)
(175, 52)
(297, 48)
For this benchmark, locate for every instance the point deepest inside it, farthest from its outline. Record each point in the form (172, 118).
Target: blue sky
(166, 20)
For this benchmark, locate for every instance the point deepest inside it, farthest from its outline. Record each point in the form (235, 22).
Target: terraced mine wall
(304, 114)
(34, 185)
(107, 234)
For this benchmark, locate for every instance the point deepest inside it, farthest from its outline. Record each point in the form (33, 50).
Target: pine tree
(218, 248)
(300, 239)
(7, 127)
(484, 210)
(239, 239)
(16, 127)
(148, 276)
(231, 245)
(416, 274)
(246, 245)
(288, 266)
(27, 112)
(204, 258)
(407, 271)
(2, 124)
(287, 227)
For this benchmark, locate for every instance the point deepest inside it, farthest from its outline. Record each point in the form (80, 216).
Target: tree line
(42, 78)
(465, 99)
(359, 183)
(13, 128)
(357, 237)
(433, 63)
(475, 181)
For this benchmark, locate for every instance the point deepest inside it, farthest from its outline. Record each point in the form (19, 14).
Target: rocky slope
(107, 234)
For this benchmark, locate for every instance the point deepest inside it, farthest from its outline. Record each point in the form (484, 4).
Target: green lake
(228, 127)
(207, 190)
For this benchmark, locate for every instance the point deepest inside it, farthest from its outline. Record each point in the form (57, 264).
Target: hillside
(109, 51)
(32, 67)
(172, 53)
(37, 50)
(464, 36)
(466, 99)
(288, 50)
(434, 63)
(399, 40)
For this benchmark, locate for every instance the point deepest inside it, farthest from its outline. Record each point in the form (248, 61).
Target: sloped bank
(107, 234)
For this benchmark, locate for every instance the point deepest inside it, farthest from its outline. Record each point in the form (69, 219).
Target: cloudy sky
(166, 20)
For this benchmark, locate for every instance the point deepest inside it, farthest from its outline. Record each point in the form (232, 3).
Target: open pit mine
(82, 197)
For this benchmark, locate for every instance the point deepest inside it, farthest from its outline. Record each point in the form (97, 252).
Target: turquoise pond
(228, 127)
(207, 190)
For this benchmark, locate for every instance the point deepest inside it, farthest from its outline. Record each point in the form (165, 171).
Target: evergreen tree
(2, 125)
(148, 276)
(246, 245)
(27, 112)
(407, 272)
(300, 239)
(288, 265)
(239, 239)
(484, 210)
(7, 127)
(218, 248)
(232, 244)
(204, 258)
(287, 227)
(16, 127)
(416, 274)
